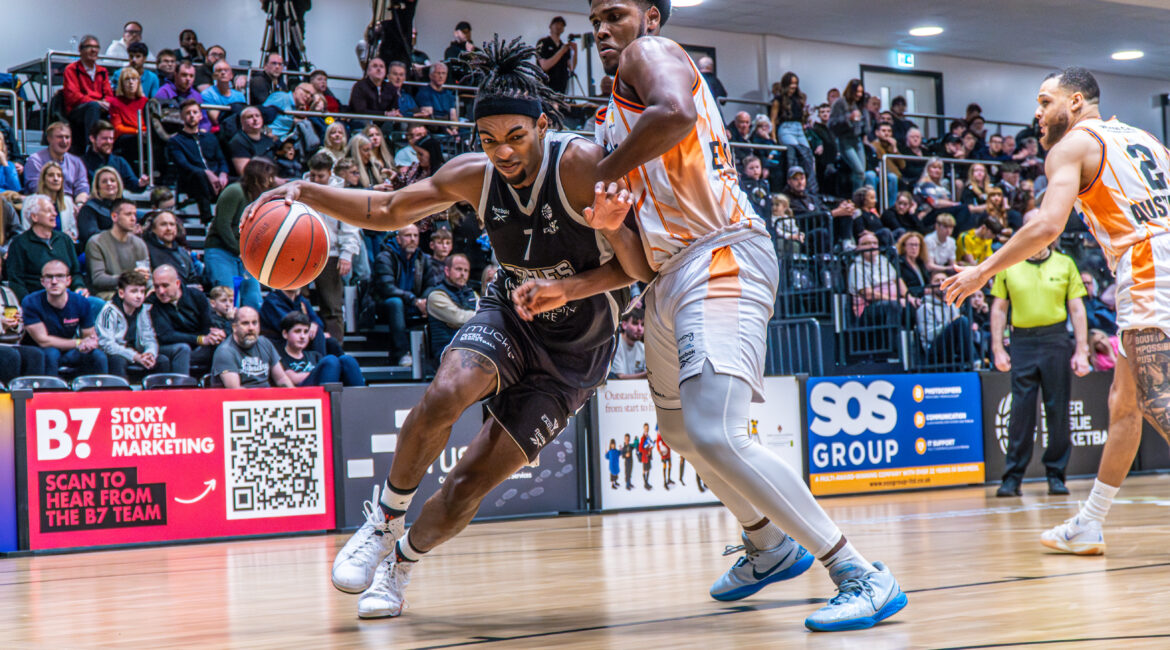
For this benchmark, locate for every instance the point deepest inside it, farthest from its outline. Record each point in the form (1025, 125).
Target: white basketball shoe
(357, 561)
(1077, 536)
(387, 595)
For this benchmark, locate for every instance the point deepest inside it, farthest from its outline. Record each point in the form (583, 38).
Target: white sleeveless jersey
(1128, 200)
(691, 190)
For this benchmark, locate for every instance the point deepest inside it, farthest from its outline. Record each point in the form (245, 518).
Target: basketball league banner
(892, 432)
(1088, 419)
(645, 477)
(371, 420)
(130, 467)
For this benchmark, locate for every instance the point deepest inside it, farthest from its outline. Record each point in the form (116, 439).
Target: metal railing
(743, 100)
(944, 121)
(19, 119)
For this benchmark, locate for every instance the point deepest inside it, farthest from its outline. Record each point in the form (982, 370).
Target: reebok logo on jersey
(499, 214)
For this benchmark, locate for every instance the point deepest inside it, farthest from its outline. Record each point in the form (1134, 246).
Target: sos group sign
(877, 433)
(132, 467)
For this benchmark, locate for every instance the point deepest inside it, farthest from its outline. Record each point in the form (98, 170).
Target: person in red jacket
(87, 91)
(664, 454)
(645, 454)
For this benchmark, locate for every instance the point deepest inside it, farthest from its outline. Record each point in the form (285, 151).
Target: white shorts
(1143, 286)
(715, 307)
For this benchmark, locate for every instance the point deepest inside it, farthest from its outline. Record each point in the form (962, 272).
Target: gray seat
(38, 383)
(166, 380)
(100, 382)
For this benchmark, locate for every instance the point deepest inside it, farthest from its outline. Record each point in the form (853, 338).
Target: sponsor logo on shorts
(551, 425)
(686, 348)
(487, 337)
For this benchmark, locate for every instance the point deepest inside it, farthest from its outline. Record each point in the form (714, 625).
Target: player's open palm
(610, 207)
(538, 296)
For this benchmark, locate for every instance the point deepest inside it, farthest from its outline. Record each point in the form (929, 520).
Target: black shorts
(538, 389)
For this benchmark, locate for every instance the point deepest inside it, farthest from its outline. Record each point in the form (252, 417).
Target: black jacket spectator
(27, 253)
(184, 321)
(261, 86)
(196, 153)
(389, 266)
(95, 161)
(368, 99)
(174, 255)
(243, 146)
(914, 279)
(92, 218)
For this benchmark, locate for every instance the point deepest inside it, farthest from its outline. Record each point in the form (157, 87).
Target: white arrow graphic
(210, 486)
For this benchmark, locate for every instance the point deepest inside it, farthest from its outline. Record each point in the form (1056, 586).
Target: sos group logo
(832, 404)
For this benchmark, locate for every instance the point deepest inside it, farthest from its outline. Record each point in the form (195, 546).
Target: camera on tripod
(586, 39)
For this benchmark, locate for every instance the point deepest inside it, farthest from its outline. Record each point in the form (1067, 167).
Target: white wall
(747, 63)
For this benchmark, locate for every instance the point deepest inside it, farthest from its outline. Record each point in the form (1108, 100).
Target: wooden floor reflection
(970, 563)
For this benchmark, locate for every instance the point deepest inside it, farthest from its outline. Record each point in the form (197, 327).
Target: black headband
(502, 105)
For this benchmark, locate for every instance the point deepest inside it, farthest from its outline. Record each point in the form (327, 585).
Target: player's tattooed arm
(1149, 352)
(469, 360)
(461, 179)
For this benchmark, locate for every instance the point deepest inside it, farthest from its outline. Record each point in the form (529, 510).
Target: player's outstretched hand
(289, 192)
(538, 296)
(610, 207)
(965, 282)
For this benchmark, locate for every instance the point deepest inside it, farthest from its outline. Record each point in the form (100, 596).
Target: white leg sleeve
(715, 412)
(670, 425)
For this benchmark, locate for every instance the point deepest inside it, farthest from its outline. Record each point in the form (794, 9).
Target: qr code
(275, 459)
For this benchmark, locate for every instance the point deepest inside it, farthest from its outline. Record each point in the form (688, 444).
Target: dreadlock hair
(509, 71)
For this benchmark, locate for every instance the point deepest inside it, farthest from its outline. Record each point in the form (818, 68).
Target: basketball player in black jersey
(541, 340)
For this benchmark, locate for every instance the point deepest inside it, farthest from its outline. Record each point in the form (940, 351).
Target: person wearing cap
(462, 43)
(808, 205)
(557, 58)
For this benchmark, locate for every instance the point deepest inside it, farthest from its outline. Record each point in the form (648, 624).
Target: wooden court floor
(970, 563)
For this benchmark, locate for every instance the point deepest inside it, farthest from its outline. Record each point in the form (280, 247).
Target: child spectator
(309, 367)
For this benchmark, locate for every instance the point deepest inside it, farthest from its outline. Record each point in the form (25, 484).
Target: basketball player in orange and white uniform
(715, 274)
(1118, 178)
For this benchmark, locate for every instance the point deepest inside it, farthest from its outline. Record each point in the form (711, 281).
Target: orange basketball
(284, 246)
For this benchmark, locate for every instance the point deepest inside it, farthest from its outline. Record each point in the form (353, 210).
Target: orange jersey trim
(724, 274)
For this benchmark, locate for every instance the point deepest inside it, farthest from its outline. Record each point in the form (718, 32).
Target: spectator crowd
(101, 276)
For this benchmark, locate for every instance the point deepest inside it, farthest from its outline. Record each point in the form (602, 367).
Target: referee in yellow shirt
(1043, 293)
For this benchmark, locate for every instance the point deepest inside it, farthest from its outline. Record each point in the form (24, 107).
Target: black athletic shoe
(1009, 488)
(1056, 486)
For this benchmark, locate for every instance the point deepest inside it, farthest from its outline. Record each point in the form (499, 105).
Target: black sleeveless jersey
(535, 234)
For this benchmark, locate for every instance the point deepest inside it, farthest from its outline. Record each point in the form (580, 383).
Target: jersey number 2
(1154, 178)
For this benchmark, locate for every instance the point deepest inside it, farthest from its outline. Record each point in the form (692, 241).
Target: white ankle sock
(1100, 499)
(847, 563)
(393, 501)
(766, 538)
(407, 551)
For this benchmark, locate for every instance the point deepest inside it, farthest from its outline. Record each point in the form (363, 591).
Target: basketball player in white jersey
(706, 314)
(1117, 177)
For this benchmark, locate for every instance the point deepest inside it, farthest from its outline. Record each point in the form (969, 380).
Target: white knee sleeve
(715, 414)
(670, 425)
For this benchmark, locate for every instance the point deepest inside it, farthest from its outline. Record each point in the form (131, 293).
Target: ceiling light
(1128, 55)
(926, 31)
(686, 3)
